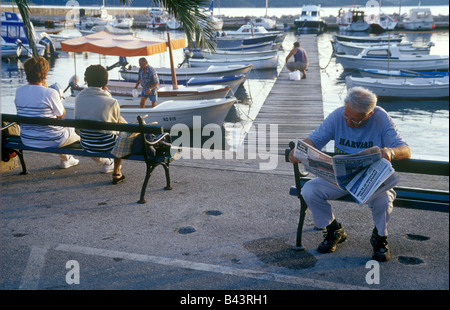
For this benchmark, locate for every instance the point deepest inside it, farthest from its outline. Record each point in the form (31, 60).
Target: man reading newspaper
(358, 126)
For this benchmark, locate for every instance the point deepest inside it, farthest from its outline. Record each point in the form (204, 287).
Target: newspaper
(364, 175)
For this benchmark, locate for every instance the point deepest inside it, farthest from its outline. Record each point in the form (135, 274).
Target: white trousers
(72, 138)
(317, 192)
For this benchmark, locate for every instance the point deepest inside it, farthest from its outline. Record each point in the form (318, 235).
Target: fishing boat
(233, 81)
(14, 32)
(379, 22)
(239, 41)
(157, 22)
(10, 50)
(310, 20)
(352, 48)
(402, 88)
(265, 46)
(131, 74)
(266, 22)
(419, 19)
(184, 113)
(126, 91)
(226, 55)
(99, 17)
(391, 38)
(259, 63)
(352, 21)
(123, 22)
(390, 58)
(376, 73)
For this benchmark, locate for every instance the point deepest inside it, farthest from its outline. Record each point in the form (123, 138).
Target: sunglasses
(356, 123)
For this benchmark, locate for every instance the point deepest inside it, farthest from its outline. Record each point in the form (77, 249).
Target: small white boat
(126, 91)
(352, 48)
(405, 74)
(390, 58)
(353, 21)
(265, 22)
(379, 21)
(123, 22)
(265, 46)
(225, 55)
(10, 50)
(419, 19)
(402, 88)
(97, 17)
(157, 22)
(131, 74)
(389, 38)
(310, 20)
(186, 113)
(173, 23)
(259, 63)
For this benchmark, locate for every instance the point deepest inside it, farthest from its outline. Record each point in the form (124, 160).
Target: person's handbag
(124, 143)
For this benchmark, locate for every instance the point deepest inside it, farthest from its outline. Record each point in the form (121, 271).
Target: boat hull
(186, 114)
(260, 63)
(413, 62)
(433, 88)
(405, 74)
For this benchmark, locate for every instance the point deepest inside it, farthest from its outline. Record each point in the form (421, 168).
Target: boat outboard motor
(49, 46)
(73, 83)
(56, 87)
(121, 63)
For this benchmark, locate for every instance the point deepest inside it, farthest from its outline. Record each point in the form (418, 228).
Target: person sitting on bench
(96, 103)
(356, 125)
(35, 99)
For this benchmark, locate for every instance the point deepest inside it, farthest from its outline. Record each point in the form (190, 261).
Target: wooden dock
(296, 107)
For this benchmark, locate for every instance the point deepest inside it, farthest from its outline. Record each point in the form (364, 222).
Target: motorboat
(249, 30)
(402, 88)
(126, 91)
(390, 58)
(353, 21)
(265, 22)
(234, 81)
(389, 38)
(14, 32)
(227, 42)
(99, 17)
(376, 73)
(259, 63)
(10, 50)
(186, 114)
(265, 46)
(157, 22)
(310, 20)
(123, 22)
(132, 73)
(419, 19)
(109, 28)
(225, 55)
(352, 48)
(379, 22)
(173, 23)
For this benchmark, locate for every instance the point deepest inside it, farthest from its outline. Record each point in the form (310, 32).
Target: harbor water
(424, 124)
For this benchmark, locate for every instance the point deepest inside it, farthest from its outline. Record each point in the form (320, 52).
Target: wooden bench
(164, 159)
(407, 197)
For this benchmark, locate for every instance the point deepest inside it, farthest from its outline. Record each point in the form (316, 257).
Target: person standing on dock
(149, 80)
(300, 59)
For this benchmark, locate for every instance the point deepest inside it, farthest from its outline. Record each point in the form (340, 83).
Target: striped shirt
(40, 101)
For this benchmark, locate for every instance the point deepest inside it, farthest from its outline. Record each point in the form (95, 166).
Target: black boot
(334, 234)
(380, 247)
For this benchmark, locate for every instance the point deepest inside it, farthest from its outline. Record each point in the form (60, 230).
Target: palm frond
(24, 10)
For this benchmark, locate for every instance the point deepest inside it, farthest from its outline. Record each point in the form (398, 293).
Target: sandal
(118, 180)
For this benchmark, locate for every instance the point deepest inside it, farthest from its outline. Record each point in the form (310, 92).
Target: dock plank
(296, 107)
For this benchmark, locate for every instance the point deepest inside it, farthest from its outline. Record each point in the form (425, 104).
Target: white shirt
(40, 101)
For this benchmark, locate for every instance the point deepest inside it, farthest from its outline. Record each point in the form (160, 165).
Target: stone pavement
(226, 225)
